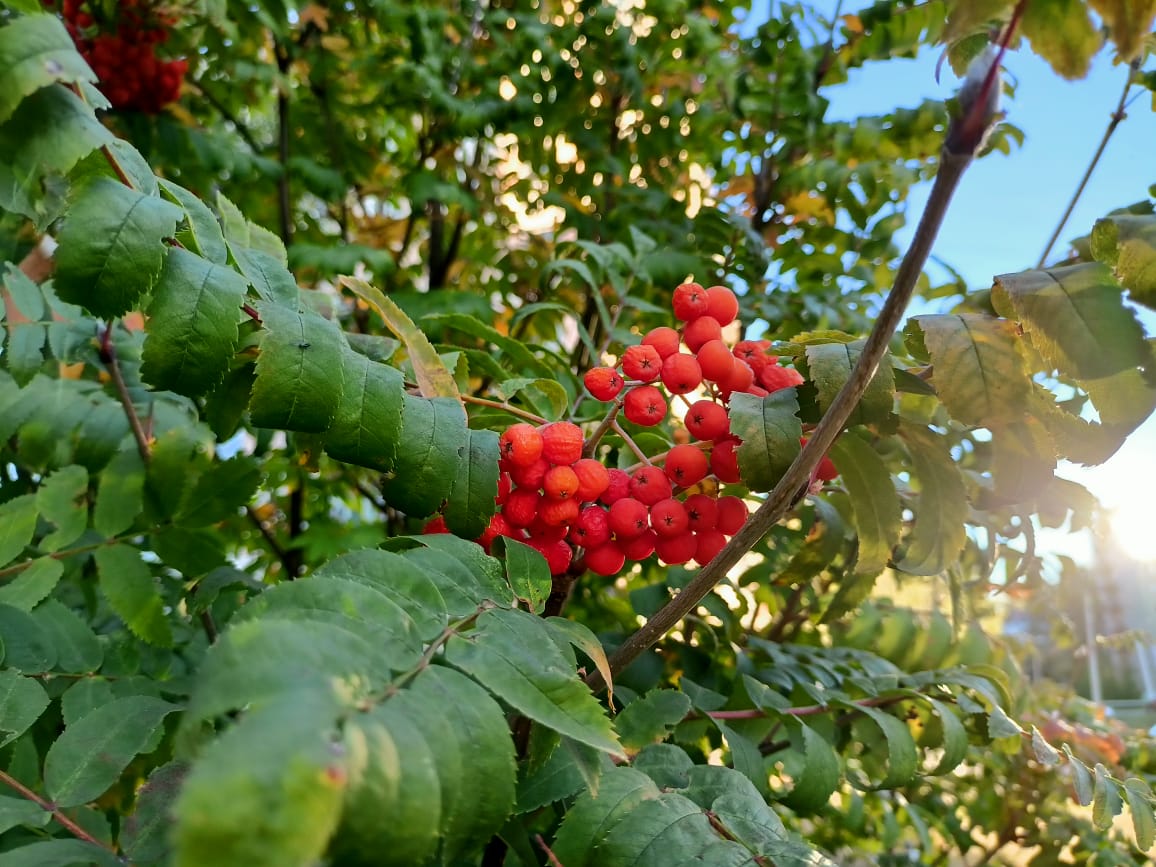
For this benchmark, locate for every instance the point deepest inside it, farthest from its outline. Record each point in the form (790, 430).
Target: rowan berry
(603, 383)
(561, 442)
(724, 460)
(722, 304)
(732, 514)
(741, 378)
(505, 485)
(773, 377)
(716, 361)
(701, 512)
(674, 550)
(681, 374)
(640, 547)
(593, 479)
(686, 465)
(436, 525)
(664, 339)
(669, 518)
(706, 420)
(689, 301)
(648, 485)
(560, 483)
(826, 470)
(618, 487)
(645, 405)
(606, 559)
(558, 554)
(752, 352)
(521, 444)
(592, 528)
(530, 476)
(628, 518)
(642, 363)
(700, 331)
(521, 506)
(498, 526)
(539, 529)
(557, 513)
(707, 545)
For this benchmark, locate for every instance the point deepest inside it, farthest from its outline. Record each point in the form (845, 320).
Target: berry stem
(629, 440)
(497, 404)
(600, 431)
(795, 481)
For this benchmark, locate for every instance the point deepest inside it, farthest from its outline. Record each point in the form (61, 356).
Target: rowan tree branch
(56, 812)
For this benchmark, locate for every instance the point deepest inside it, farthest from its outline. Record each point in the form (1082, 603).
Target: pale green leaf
(17, 524)
(877, 515)
(1139, 797)
(128, 585)
(60, 853)
(528, 573)
(649, 719)
(203, 229)
(1106, 802)
(63, 500)
(33, 584)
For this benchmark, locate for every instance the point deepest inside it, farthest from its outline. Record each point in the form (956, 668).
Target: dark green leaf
(60, 853)
(471, 500)
(22, 701)
(556, 779)
(94, 751)
(434, 433)
(952, 737)
(15, 812)
(271, 280)
(649, 719)
(528, 573)
(587, 822)
(902, 756)
(830, 366)
(24, 354)
(63, 500)
(220, 493)
(128, 585)
(770, 430)
(78, 650)
(368, 425)
(112, 247)
(940, 530)
(203, 229)
(820, 774)
(192, 324)
(27, 647)
(148, 828)
(35, 52)
(877, 515)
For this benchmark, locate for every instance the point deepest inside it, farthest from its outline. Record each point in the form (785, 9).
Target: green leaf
(268, 793)
(1023, 460)
(830, 366)
(24, 354)
(951, 737)
(1000, 725)
(203, 229)
(511, 654)
(60, 853)
(1127, 242)
(33, 584)
(221, 492)
(128, 585)
(147, 830)
(26, 295)
(516, 351)
(580, 636)
(941, 514)
(770, 430)
(978, 372)
(1045, 753)
(433, 379)
(1081, 778)
(63, 500)
(1106, 803)
(820, 774)
(464, 565)
(367, 428)
(1062, 33)
(35, 52)
(1075, 317)
(22, 701)
(548, 397)
(271, 279)
(112, 247)
(902, 755)
(471, 500)
(1139, 797)
(17, 524)
(434, 433)
(78, 650)
(621, 791)
(94, 751)
(877, 515)
(528, 573)
(27, 647)
(298, 385)
(15, 812)
(744, 755)
(192, 324)
(649, 719)
(556, 779)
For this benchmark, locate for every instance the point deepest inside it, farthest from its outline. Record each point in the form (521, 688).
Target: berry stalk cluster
(121, 49)
(581, 515)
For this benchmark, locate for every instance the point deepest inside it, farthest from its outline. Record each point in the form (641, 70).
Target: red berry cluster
(122, 53)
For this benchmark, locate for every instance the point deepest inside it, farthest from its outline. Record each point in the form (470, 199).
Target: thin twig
(600, 431)
(223, 111)
(550, 856)
(629, 440)
(1118, 115)
(496, 404)
(56, 812)
(109, 359)
(17, 568)
(284, 204)
(806, 710)
(270, 540)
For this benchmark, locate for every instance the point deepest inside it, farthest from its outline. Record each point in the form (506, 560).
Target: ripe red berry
(561, 442)
(722, 304)
(701, 512)
(773, 377)
(754, 354)
(603, 383)
(732, 514)
(669, 518)
(521, 507)
(640, 547)
(521, 444)
(706, 420)
(556, 513)
(681, 373)
(592, 528)
(689, 301)
(618, 488)
(498, 526)
(649, 485)
(436, 525)
(558, 554)
(664, 339)
(724, 460)
(716, 361)
(531, 476)
(593, 479)
(642, 363)
(547, 532)
(645, 405)
(606, 559)
(708, 544)
(628, 518)
(674, 550)
(826, 471)
(686, 465)
(700, 331)
(505, 485)
(560, 483)
(742, 378)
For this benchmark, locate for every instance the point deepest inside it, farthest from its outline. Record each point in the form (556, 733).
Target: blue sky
(1008, 206)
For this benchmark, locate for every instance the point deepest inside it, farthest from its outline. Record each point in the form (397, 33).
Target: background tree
(369, 238)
